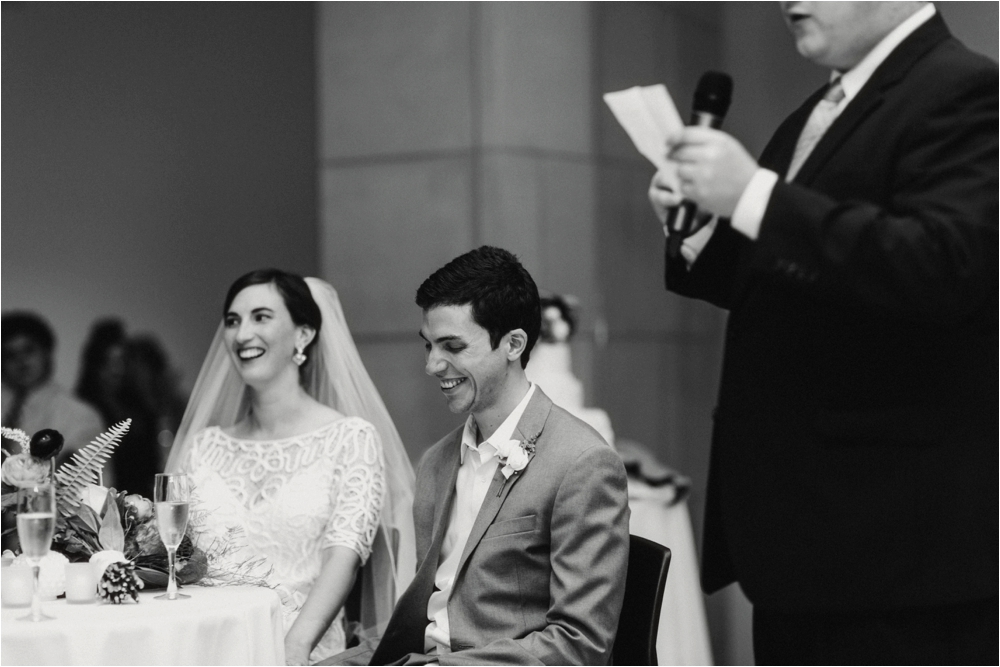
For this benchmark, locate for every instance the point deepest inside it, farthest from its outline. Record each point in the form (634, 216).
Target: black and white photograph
(500, 333)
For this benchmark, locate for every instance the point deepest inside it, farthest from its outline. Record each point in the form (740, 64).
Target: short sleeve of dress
(359, 489)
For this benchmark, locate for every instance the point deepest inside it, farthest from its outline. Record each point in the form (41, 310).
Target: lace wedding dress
(278, 504)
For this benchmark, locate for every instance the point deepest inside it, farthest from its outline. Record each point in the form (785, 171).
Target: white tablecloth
(682, 637)
(231, 625)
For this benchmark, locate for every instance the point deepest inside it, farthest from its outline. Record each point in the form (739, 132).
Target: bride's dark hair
(293, 290)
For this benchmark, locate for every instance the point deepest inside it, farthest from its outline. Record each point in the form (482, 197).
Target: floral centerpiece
(112, 528)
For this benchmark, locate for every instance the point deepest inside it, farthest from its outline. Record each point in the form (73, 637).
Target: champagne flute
(36, 522)
(172, 496)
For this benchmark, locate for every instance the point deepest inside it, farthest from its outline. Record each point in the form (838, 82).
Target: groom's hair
(293, 290)
(501, 291)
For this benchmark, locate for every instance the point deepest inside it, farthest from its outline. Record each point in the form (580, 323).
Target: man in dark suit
(851, 487)
(521, 513)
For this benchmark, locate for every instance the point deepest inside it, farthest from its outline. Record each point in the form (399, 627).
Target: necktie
(823, 115)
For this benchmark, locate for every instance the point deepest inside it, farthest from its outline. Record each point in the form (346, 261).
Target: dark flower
(46, 443)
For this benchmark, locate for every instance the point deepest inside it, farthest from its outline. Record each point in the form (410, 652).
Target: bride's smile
(261, 335)
(248, 353)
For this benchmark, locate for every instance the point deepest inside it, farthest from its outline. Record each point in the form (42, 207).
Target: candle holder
(16, 585)
(81, 583)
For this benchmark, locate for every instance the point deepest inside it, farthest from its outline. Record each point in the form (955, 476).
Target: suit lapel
(869, 98)
(528, 429)
(444, 496)
(856, 111)
(446, 491)
(405, 631)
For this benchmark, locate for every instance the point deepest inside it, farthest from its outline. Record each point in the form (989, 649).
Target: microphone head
(713, 94)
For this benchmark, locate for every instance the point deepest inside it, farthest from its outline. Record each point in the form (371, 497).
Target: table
(682, 636)
(224, 625)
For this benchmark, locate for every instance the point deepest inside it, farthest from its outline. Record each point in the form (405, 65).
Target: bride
(295, 461)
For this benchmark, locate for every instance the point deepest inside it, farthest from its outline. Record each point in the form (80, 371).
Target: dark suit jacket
(855, 445)
(542, 576)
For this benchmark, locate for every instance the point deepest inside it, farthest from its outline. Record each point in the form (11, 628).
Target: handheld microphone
(711, 102)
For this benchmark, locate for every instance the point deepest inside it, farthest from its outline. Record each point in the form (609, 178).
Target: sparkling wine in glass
(172, 497)
(36, 522)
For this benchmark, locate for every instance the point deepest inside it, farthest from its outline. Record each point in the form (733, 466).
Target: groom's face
(470, 373)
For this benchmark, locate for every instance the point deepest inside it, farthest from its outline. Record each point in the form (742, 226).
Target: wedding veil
(334, 376)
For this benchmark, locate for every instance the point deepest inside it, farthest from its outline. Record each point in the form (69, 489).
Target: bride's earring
(299, 357)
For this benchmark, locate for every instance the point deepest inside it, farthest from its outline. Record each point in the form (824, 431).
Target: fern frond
(84, 467)
(18, 436)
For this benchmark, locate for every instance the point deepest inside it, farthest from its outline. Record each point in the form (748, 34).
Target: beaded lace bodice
(285, 501)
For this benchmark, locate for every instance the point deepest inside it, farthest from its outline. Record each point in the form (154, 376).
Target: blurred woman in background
(130, 378)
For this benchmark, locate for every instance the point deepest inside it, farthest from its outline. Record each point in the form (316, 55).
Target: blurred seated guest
(551, 364)
(153, 381)
(101, 381)
(101, 384)
(140, 385)
(31, 399)
(295, 458)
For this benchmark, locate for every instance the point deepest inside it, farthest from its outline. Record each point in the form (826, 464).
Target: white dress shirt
(749, 212)
(479, 465)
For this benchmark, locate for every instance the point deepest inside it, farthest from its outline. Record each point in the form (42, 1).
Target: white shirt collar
(854, 79)
(503, 432)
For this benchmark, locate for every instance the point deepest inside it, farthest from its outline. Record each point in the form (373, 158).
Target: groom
(521, 514)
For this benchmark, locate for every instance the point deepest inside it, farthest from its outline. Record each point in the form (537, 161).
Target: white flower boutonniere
(515, 456)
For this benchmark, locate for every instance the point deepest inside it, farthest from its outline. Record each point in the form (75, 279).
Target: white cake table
(682, 637)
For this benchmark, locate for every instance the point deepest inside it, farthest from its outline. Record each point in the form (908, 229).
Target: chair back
(648, 563)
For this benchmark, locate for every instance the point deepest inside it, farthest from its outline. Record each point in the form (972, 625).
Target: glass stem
(36, 593)
(172, 582)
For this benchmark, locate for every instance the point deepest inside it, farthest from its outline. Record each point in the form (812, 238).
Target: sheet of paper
(649, 117)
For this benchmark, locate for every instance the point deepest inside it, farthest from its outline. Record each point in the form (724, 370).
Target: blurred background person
(101, 384)
(125, 377)
(101, 381)
(154, 386)
(31, 399)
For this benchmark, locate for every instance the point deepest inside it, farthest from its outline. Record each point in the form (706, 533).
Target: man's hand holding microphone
(708, 170)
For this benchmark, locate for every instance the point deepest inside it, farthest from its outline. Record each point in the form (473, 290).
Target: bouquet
(116, 521)
(112, 528)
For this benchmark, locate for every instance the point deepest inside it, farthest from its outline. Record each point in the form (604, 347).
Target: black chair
(647, 575)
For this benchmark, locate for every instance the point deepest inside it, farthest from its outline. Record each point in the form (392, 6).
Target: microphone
(711, 102)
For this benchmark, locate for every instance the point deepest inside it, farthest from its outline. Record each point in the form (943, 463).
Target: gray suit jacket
(542, 576)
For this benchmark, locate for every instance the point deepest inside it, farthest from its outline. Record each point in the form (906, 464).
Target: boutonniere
(515, 456)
